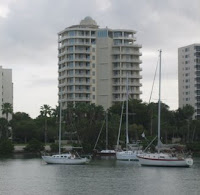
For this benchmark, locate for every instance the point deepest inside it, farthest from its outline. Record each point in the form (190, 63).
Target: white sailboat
(107, 152)
(127, 155)
(159, 158)
(67, 158)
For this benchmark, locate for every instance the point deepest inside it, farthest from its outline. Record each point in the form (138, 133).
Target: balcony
(81, 75)
(82, 59)
(82, 83)
(84, 99)
(82, 91)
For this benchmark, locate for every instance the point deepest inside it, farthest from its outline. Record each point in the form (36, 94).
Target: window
(93, 88)
(93, 73)
(93, 49)
(93, 97)
(93, 81)
(71, 33)
(93, 65)
(117, 34)
(93, 57)
(70, 48)
(197, 48)
(102, 33)
(71, 41)
(187, 49)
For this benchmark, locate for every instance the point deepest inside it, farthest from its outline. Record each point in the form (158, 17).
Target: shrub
(194, 147)
(54, 147)
(6, 147)
(34, 146)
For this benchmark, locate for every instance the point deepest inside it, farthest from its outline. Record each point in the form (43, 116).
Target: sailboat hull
(66, 161)
(127, 155)
(167, 162)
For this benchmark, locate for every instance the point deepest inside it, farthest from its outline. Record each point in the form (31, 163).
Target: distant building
(94, 62)
(6, 89)
(189, 77)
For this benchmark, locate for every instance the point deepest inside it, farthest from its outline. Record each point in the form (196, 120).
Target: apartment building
(93, 64)
(6, 89)
(189, 77)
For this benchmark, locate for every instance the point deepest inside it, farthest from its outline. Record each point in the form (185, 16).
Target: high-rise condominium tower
(6, 89)
(189, 77)
(94, 64)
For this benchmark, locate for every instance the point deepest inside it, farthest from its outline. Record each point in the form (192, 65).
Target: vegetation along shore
(81, 124)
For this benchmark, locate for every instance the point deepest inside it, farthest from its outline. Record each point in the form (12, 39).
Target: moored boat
(127, 155)
(163, 159)
(106, 153)
(67, 158)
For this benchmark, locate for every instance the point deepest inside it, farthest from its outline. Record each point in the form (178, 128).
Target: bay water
(31, 176)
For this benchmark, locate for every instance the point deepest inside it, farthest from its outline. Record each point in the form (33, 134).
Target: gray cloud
(28, 41)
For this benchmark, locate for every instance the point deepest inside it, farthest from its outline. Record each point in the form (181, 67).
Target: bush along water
(34, 146)
(6, 147)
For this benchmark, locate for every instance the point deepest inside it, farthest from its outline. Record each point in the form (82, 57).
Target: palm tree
(45, 111)
(7, 109)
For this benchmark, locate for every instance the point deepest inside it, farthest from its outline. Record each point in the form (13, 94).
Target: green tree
(3, 128)
(6, 147)
(7, 109)
(45, 112)
(34, 146)
(184, 119)
(25, 130)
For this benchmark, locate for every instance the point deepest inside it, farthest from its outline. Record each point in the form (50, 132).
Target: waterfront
(32, 176)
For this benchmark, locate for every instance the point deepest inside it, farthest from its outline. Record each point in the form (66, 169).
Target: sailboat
(159, 158)
(66, 158)
(127, 155)
(106, 152)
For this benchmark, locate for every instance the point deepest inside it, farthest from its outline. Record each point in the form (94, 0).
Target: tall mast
(127, 139)
(159, 104)
(106, 129)
(60, 122)
(120, 125)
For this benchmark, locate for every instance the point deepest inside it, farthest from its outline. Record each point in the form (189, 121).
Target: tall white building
(6, 89)
(94, 63)
(189, 77)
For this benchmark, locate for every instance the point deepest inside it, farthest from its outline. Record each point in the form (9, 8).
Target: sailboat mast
(127, 139)
(120, 125)
(106, 129)
(159, 103)
(60, 122)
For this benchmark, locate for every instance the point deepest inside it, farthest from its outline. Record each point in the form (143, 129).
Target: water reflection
(27, 175)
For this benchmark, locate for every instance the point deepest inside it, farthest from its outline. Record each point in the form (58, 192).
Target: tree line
(81, 124)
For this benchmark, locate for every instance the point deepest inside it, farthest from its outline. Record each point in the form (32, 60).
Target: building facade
(6, 89)
(189, 77)
(93, 64)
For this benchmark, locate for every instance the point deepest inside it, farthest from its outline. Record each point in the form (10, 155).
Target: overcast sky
(28, 41)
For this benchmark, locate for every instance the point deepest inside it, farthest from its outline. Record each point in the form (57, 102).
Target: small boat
(67, 158)
(163, 159)
(106, 152)
(128, 154)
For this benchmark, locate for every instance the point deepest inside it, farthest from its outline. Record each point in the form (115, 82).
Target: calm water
(32, 176)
